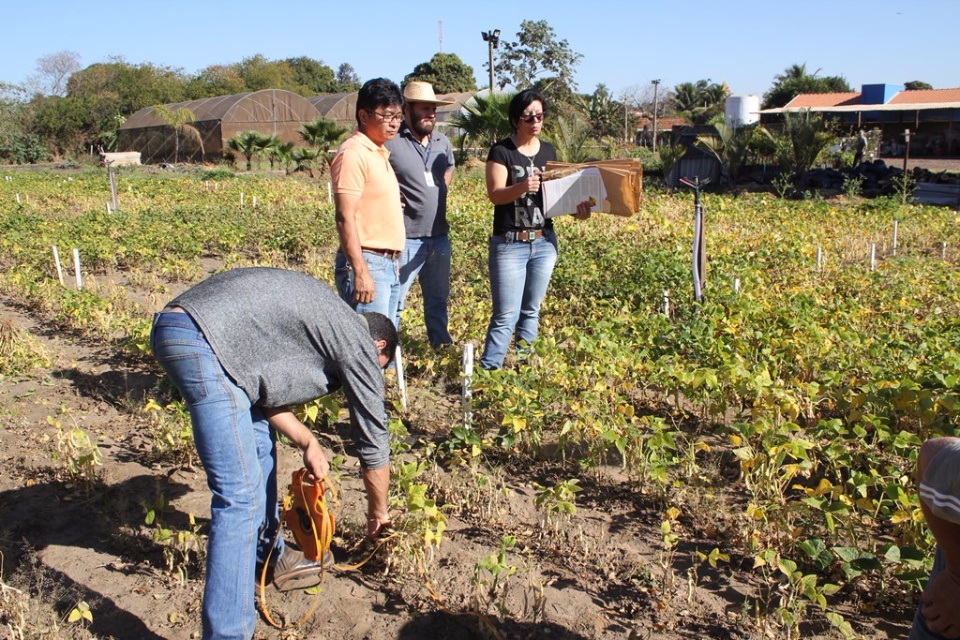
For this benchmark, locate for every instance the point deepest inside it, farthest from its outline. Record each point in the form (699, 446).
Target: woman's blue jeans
(386, 281)
(519, 276)
(238, 450)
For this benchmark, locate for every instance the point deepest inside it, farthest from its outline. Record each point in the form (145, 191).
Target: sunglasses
(532, 117)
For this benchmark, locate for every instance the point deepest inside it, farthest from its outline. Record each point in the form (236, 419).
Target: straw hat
(419, 91)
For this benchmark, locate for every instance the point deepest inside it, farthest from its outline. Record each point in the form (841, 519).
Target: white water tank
(741, 110)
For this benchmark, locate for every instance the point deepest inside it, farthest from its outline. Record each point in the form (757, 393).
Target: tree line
(65, 109)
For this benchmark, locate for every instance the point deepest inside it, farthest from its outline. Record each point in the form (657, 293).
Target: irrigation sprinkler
(699, 242)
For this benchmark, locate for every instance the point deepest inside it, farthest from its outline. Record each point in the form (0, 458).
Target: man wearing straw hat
(422, 158)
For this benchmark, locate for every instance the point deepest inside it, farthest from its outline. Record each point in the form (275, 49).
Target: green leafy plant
(557, 503)
(183, 549)
(491, 579)
(78, 455)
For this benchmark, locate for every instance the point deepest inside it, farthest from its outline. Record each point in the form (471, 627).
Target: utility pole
(492, 38)
(656, 86)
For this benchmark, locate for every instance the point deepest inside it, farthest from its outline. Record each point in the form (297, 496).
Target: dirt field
(604, 576)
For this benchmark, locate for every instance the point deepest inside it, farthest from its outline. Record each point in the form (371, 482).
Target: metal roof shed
(268, 112)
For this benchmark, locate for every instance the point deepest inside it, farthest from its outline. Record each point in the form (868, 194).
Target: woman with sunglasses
(523, 247)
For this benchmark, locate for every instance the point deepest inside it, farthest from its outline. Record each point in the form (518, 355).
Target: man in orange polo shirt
(367, 199)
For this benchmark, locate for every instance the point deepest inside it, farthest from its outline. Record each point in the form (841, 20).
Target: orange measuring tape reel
(305, 513)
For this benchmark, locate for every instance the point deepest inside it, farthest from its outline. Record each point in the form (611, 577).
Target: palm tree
(179, 121)
(324, 135)
(275, 149)
(249, 144)
(282, 152)
(486, 120)
(304, 157)
(569, 136)
(731, 148)
(700, 101)
(803, 138)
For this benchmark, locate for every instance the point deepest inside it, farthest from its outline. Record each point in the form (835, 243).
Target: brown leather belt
(386, 253)
(524, 235)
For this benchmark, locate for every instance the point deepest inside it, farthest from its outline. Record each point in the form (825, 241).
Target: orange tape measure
(305, 513)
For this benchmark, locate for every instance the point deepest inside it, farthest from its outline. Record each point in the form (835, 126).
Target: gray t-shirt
(286, 338)
(425, 213)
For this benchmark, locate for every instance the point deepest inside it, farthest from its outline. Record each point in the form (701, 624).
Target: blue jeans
(386, 282)
(428, 258)
(238, 450)
(519, 275)
(919, 629)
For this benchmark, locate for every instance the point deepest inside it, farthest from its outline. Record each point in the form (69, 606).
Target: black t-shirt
(526, 212)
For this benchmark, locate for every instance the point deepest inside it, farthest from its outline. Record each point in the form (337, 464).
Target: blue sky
(625, 44)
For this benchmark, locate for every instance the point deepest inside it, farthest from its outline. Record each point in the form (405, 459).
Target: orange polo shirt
(361, 168)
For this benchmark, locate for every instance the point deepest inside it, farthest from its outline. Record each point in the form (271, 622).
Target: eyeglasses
(532, 117)
(389, 117)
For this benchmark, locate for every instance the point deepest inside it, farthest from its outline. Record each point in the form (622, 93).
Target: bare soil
(603, 575)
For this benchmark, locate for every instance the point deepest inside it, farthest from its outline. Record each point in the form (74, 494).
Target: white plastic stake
(819, 259)
(943, 251)
(666, 302)
(329, 192)
(206, 185)
(76, 268)
(241, 199)
(873, 256)
(56, 260)
(108, 208)
(736, 285)
(254, 202)
(895, 226)
(18, 198)
(467, 395)
(401, 383)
